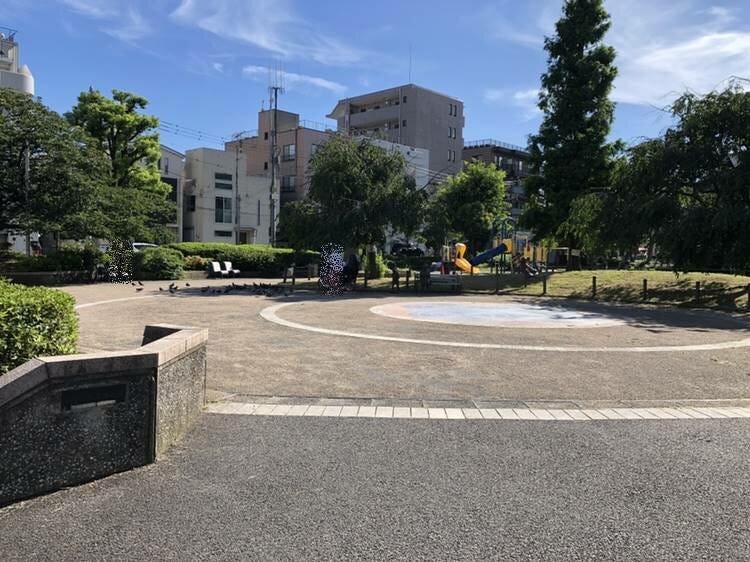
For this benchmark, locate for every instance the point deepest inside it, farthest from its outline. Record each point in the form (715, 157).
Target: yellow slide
(460, 262)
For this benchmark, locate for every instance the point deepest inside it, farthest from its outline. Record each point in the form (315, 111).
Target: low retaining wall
(70, 419)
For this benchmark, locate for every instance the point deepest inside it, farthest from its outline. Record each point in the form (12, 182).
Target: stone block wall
(70, 419)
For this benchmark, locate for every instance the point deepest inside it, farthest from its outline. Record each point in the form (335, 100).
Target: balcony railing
(493, 142)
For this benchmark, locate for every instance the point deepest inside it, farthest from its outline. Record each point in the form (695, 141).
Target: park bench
(215, 270)
(439, 282)
(227, 266)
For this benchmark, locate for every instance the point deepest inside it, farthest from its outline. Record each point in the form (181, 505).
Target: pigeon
(138, 289)
(132, 283)
(161, 289)
(140, 283)
(171, 285)
(187, 284)
(172, 290)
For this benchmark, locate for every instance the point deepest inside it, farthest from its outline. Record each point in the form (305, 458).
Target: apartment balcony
(371, 117)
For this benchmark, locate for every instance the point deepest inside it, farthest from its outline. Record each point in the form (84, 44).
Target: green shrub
(195, 263)
(158, 263)
(249, 258)
(375, 266)
(75, 258)
(34, 321)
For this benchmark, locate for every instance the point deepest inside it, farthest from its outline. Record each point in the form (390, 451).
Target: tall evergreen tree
(570, 155)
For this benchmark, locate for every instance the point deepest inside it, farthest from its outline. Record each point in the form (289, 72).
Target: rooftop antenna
(410, 62)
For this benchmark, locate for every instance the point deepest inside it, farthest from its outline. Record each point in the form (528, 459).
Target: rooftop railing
(493, 142)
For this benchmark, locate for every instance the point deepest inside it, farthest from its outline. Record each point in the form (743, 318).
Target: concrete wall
(70, 419)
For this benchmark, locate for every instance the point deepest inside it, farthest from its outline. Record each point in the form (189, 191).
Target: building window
(451, 155)
(452, 132)
(403, 123)
(258, 212)
(223, 233)
(288, 183)
(265, 165)
(404, 99)
(223, 177)
(265, 135)
(221, 185)
(191, 204)
(289, 152)
(166, 165)
(223, 209)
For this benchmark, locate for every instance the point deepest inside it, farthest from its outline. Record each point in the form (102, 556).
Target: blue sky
(203, 64)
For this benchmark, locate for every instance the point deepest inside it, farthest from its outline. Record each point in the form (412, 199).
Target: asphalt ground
(251, 356)
(265, 488)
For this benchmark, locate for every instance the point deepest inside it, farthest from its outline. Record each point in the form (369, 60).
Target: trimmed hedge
(34, 321)
(158, 263)
(249, 258)
(65, 259)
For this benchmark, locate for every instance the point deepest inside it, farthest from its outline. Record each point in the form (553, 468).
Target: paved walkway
(530, 414)
(302, 488)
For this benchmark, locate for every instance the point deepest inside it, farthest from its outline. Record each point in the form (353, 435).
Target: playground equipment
(455, 255)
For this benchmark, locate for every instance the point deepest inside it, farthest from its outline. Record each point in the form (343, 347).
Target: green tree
(357, 192)
(64, 174)
(134, 204)
(470, 205)
(570, 154)
(688, 192)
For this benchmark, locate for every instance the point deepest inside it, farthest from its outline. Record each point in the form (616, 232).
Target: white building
(13, 75)
(222, 205)
(171, 167)
(417, 160)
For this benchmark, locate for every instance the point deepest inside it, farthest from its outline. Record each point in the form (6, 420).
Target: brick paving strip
(527, 414)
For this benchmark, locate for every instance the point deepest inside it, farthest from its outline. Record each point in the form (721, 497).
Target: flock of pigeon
(261, 289)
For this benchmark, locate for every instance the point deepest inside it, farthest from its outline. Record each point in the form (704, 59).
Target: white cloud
(218, 67)
(525, 100)
(124, 21)
(662, 49)
(271, 25)
(99, 9)
(132, 26)
(292, 80)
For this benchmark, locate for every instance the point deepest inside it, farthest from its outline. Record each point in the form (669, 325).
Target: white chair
(217, 271)
(227, 267)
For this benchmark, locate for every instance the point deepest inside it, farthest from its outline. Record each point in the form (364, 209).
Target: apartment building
(171, 166)
(507, 157)
(409, 115)
(221, 202)
(13, 74)
(296, 142)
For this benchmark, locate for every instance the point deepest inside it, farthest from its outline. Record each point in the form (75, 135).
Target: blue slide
(489, 254)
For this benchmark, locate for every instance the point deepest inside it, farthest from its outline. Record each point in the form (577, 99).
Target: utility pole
(274, 91)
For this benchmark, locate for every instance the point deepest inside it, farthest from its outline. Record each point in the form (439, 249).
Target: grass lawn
(718, 290)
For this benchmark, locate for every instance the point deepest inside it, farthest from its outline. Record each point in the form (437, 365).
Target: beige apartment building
(409, 115)
(296, 141)
(221, 202)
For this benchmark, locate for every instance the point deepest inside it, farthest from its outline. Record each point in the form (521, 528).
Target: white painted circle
(269, 313)
(496, 314)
